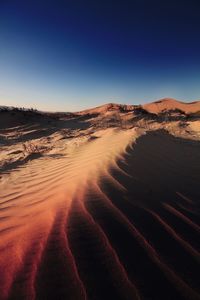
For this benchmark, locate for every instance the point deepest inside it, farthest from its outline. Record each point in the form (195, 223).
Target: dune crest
(171, 104)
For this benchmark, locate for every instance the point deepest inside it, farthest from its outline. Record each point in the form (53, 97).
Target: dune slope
(116, 219)
(168, 104)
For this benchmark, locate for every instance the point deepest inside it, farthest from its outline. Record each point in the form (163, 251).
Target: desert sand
(170, 104)
(100, 204)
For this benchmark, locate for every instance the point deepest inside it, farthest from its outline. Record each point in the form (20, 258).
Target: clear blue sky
(68, 55)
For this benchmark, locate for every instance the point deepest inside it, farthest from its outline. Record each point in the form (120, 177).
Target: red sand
(170, 104)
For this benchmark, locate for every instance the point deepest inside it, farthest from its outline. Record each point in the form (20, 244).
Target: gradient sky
(72, 54)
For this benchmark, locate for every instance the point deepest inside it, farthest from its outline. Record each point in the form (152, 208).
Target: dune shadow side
(160, 201)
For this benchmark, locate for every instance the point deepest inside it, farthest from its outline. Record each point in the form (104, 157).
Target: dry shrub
(31, 148)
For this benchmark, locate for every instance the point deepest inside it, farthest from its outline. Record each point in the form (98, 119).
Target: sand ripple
(117, 219)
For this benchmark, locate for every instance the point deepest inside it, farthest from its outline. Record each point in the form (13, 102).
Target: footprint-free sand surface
(118, 218)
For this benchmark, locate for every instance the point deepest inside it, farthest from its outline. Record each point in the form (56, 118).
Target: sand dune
(107, 107)
(156, 107)
(35, 196)
(105, 214)
(171, 104)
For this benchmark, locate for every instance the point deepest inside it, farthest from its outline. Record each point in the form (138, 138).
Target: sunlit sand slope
(168, 104)
(116, 219)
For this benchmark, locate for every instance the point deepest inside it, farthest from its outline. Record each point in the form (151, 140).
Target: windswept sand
(106, 214)
(35, 204)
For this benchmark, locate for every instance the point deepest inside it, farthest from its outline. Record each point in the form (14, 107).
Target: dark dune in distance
(108, 213)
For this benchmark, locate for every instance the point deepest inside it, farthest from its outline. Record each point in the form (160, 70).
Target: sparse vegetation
(140, 110)
(16, 109)
(194, 115)
(173, 111)
(31, 148)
